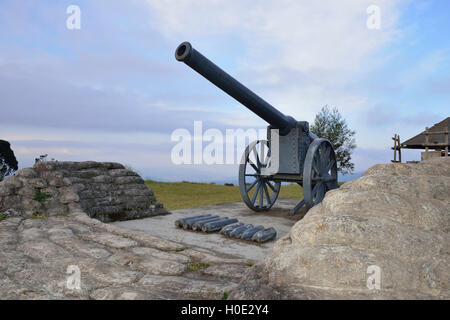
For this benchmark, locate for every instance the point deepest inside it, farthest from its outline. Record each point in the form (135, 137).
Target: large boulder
(104, 190)
(382, 236)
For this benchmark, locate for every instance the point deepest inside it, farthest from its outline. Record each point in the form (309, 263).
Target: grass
(38, 216)
(3, 216)
(182, 195)
(225, 294)
(61, 215)
(41, 196)
(194, 266)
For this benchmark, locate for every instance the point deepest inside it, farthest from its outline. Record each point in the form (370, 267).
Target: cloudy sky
(112, 90)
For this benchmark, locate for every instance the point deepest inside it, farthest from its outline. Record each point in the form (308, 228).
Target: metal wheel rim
(266, 191)
(319, 172)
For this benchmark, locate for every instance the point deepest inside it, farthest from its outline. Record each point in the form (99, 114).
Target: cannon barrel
(194, 59)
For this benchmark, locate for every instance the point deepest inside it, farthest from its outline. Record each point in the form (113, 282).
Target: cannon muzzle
(194, 59)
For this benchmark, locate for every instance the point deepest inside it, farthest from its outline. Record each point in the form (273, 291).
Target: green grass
(194, 266)
(61, 215)
(3, 216)
(38, 216)
(41, 196)
(225, 294)
(182, 195)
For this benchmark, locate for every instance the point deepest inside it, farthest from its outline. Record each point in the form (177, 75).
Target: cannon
(291, 153)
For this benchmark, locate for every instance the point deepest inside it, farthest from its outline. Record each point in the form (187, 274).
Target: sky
(113, 91)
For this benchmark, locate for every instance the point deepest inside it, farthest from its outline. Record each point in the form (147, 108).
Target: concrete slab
(164, 227)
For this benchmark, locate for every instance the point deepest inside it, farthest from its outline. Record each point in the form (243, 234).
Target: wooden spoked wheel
(258, 191)
(319, 172)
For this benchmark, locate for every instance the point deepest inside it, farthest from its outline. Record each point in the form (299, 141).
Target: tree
(330, 124)
(8, 162)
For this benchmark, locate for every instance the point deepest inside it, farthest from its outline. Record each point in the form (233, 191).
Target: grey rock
(68, 195)
(128, 180)
(26, 191)
(12, 182)
(37, 183)
(28, 173)
(122, 173)
(395, 217)
(114, 263)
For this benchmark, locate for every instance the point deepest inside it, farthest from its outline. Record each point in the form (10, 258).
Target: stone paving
(163, 226)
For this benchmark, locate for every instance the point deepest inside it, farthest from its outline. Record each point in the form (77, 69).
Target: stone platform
(119, 263)
(215, 243)
(114, 263)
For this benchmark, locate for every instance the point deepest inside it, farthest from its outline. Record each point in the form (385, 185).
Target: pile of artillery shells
(227, 226)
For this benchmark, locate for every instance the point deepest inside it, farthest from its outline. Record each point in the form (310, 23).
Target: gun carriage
(291, 152)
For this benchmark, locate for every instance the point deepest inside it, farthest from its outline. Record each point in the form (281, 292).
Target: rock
(26, 191)
(68, 195)
(186, 288)
(112, 240)
(31, 206)
(12, 183)
(37, 183)
(6, 190)
(150, 252)
(128, 180)
(394, 219)
(152, 265)
(122, 173)
(27, 173)
(39, 256)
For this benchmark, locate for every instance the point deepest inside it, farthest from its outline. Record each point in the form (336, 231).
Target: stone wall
(105, 191)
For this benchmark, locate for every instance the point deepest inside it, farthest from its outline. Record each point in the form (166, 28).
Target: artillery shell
(236, 233)
(179, 222)
(226, 230)
(189, 223)
(265, 235)
(247, 234)
(197, 225)
(217, 225)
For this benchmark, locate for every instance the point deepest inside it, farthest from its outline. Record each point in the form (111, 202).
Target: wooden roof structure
(435, 137)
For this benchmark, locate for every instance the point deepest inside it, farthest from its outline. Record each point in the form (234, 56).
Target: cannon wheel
(319, 172)
(258, 192)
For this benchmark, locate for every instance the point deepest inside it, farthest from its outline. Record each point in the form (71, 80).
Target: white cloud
(328, 34)
(298, 55)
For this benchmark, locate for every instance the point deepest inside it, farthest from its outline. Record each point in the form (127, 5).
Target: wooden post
(396, 148)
